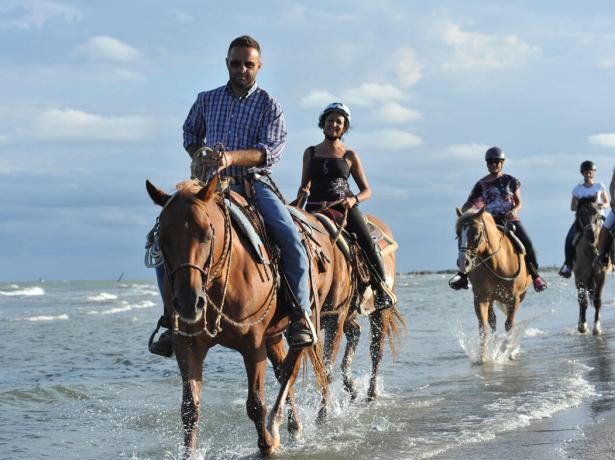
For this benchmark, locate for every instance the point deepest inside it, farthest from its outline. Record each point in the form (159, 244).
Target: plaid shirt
(254, 121)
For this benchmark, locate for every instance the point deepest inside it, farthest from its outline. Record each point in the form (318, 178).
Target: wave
(124, 308)
(25, 292)
(46, 318)
(102, 297)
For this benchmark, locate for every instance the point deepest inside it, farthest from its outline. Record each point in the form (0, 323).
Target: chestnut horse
(496, 270)
(219, 294)
(342, 308)
(589, 276)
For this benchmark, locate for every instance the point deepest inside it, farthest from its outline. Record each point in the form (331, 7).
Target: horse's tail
(393, 325)
(315, 355)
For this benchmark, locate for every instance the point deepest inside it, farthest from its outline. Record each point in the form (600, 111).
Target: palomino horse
(340, 313)
(495, 269)
(219, 294)
(589, 276)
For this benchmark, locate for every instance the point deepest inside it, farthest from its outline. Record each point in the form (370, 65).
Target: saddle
(249, 223)
(514, 239)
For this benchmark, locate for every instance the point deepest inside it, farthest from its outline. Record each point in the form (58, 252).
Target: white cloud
(467, 151)
(476, 51)
(604, 140)
(128, 75)
(75, 125)
(393, 112)
(368, 94)
(317, 98)
(4, 139)
(385, 139)
(107, 48)
(26, 14)
(608, 63)
(182, 16)
(407, 68)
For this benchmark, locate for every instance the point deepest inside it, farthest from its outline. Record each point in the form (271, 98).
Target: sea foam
(25, 292)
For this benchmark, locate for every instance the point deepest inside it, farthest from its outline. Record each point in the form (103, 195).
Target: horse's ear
(208, 191)
(458, 211)
(480, 213)
(157, 195)
(594, 198)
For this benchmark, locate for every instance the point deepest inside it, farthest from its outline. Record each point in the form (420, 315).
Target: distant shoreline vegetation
(450, 271)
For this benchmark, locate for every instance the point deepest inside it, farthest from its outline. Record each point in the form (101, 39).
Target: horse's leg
(491, 317)
(190, 359)
(255, 362)
(481, 309)
(288, 374)
(597, 295)
(333, 326)
(276, 353)
(583, 301)
(377, 322)
(352, 331)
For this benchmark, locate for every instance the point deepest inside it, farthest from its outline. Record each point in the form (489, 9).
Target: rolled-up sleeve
(194, 126)
(272, 134)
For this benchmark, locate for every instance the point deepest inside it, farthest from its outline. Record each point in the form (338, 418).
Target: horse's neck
(496, 240)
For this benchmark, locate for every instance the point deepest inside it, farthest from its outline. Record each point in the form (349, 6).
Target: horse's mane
(587, 201)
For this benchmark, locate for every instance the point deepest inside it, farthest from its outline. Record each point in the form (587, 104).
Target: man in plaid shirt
(249, 123)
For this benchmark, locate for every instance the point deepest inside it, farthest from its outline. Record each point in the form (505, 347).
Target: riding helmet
(494, 153)
(588, 166)
(334, 107)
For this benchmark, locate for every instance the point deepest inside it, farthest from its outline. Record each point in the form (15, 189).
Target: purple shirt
(496, 195)
(254, 121)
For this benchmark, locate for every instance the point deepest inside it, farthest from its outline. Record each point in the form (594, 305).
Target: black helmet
(588, 166)
(494, 153)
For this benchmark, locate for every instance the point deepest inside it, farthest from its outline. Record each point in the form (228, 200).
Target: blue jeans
(281, 228)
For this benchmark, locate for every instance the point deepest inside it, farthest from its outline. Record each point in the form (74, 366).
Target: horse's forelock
(464, 219)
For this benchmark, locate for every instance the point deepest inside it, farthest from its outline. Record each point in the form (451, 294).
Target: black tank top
(329, 178)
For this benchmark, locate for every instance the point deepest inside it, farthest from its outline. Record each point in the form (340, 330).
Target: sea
(77, 381)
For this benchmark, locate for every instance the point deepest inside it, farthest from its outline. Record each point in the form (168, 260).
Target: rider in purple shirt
(500, 195)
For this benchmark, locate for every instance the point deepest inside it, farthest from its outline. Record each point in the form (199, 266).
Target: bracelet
(356, 197)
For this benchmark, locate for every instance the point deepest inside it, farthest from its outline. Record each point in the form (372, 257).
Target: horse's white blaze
(462, 261)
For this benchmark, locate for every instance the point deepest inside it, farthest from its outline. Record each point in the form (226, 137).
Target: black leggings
(356, 224)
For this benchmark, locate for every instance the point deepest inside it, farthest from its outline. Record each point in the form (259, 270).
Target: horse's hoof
(322, 415)
(582, 328)
(296, 433)
(597, 328)
(267, 451)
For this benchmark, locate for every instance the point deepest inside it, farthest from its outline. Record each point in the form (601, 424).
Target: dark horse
(589, 276)
(496, 270)
(219, 294)
(342, 309)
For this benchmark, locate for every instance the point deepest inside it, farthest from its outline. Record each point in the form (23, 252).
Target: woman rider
(324, 178)
(500, 194)
(586, 189)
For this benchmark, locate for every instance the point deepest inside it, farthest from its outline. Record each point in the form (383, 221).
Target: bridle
(472, 254)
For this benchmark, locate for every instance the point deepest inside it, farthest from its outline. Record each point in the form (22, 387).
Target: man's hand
(206, 161)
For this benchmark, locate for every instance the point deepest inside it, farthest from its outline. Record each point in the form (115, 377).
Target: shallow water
(77, 380)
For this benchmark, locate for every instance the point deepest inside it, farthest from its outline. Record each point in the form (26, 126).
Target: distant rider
(586, 189)
(500, 195)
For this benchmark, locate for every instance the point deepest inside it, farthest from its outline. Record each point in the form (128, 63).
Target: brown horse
(342, 308)
(219, 294)
(589, 276)
(495, 269)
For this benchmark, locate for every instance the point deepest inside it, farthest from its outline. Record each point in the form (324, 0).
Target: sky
(94, 95)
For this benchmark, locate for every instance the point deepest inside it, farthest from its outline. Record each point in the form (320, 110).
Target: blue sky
(94, 95)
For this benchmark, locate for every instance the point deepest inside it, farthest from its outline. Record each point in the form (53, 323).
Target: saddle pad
(247, 229)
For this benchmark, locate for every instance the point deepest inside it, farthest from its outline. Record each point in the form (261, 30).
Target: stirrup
(565, 271)
(458, 281)
(384, 297)
(301, 332)
(164, 345)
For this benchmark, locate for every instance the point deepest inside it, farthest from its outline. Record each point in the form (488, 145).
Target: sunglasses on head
(246, 64)
(494, 161)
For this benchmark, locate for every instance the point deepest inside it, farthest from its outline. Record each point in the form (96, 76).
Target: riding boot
(383, 295)
(164, 345)
(301, 332)
(459, 281)
(539, 284)
(604, 245)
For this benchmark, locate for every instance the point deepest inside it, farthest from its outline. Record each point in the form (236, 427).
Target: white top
(580, 191)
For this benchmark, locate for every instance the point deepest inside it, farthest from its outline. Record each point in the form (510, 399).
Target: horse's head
(470, 230)
(186, 244)
(588, 217)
